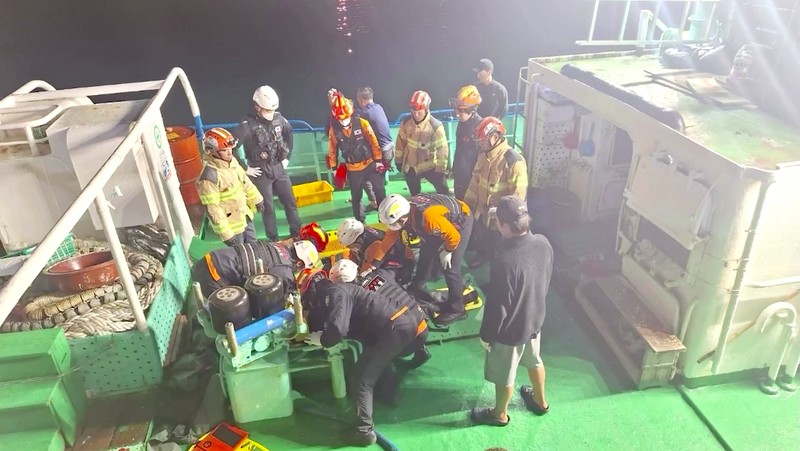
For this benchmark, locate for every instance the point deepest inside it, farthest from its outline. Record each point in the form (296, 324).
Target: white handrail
(16, 286)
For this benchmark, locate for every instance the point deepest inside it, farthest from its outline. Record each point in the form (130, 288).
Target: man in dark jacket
(386, 327)
(465, 107)
(493, 94)
(234, 265)
(268, 142)
(514, 312)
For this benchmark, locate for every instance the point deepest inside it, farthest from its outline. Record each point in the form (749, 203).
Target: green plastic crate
(64, 251)
(37, 353)
(38, 404)
(39, 440)
(131, 361)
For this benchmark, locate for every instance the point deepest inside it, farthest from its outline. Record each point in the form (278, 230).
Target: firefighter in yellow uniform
(421, 151)
(500, 171)
(230, 197)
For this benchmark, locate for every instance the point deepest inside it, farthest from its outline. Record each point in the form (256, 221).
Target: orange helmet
(420, 100)
(308, 275)
(316, 234)
(468, 97)
(487, 127)
(341, 108)
(218, 138)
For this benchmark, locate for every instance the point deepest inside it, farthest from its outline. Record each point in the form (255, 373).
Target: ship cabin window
(665, 243)
(622, 150)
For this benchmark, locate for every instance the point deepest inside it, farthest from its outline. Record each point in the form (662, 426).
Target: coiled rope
(98, 311)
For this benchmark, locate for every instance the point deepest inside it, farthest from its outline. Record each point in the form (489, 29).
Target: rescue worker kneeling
(234, 265)
(363, 242)
(382, 281)
(386, 327)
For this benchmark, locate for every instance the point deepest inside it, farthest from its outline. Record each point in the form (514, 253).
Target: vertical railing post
(119, 258)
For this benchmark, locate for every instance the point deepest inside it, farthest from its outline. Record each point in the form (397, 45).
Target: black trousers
(485, 241)
(429, 257)
(248, 236)
(374, 367)
(414, 181)
(275, 181)
(357, 179)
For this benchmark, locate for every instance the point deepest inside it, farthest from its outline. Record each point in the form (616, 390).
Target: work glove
(380, 168)
(231, 242)
(260, 207)
(446, 258)
(285, 164)
(486, 346)
(367, 271)
(253, 172)
(314, 339)
(492, 213)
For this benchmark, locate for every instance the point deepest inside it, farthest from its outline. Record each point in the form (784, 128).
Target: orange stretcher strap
(398, 313)
(421, 327)
(212, 269)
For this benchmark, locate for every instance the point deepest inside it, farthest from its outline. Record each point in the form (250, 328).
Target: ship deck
(594, 405)
(715, 117)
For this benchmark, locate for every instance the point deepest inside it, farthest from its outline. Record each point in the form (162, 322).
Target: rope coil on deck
(97, 311)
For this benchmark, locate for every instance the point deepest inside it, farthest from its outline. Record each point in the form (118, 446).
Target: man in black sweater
(514, 313)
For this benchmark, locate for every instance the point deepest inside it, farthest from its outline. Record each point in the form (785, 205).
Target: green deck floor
(593, 405)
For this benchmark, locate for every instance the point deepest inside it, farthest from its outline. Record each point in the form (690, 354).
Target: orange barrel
(186, 157)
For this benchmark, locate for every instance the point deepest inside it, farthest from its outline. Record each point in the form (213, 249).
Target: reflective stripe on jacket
(498, 172)
(422, 146)
(229, 196)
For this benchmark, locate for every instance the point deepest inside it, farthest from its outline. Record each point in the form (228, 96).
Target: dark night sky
(228, 48)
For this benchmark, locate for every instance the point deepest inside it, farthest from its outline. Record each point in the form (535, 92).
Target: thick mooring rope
(108, 318)
(98, 311)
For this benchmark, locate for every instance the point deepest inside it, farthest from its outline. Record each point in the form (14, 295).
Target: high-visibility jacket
(229, 196)
(422, 146)
(499, 172)
(357, 144)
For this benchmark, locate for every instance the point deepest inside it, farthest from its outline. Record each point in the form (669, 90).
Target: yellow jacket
(499, 172)
(422, 146)
(229, 196)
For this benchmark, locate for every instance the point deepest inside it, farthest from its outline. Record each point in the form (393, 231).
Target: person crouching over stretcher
(382, 282)
(363, 243)
(234, 265)
(385, 326)
(444, 225)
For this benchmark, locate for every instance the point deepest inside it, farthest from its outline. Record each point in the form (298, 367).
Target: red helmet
(316, 234)
(420, 100)
(218, 138)
(341, 108)
(489, 126)
(308, 275)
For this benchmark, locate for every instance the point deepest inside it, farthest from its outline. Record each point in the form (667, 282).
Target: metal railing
(147, 128)
(650, 20)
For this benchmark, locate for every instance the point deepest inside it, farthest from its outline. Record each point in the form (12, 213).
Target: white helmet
(343, 271)
(392, 209)
(307, 253)
(349, 231)
(266, 98)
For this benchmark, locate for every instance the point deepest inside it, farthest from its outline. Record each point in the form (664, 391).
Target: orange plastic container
(187, 160)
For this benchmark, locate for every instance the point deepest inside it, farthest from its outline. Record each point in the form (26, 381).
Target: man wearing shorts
(514, 313)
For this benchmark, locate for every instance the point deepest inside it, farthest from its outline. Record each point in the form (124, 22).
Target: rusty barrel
(187, 160)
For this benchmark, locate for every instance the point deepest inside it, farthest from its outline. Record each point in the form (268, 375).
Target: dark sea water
(300, 47)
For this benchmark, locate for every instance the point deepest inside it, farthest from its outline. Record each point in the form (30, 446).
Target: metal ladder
(650, 20)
